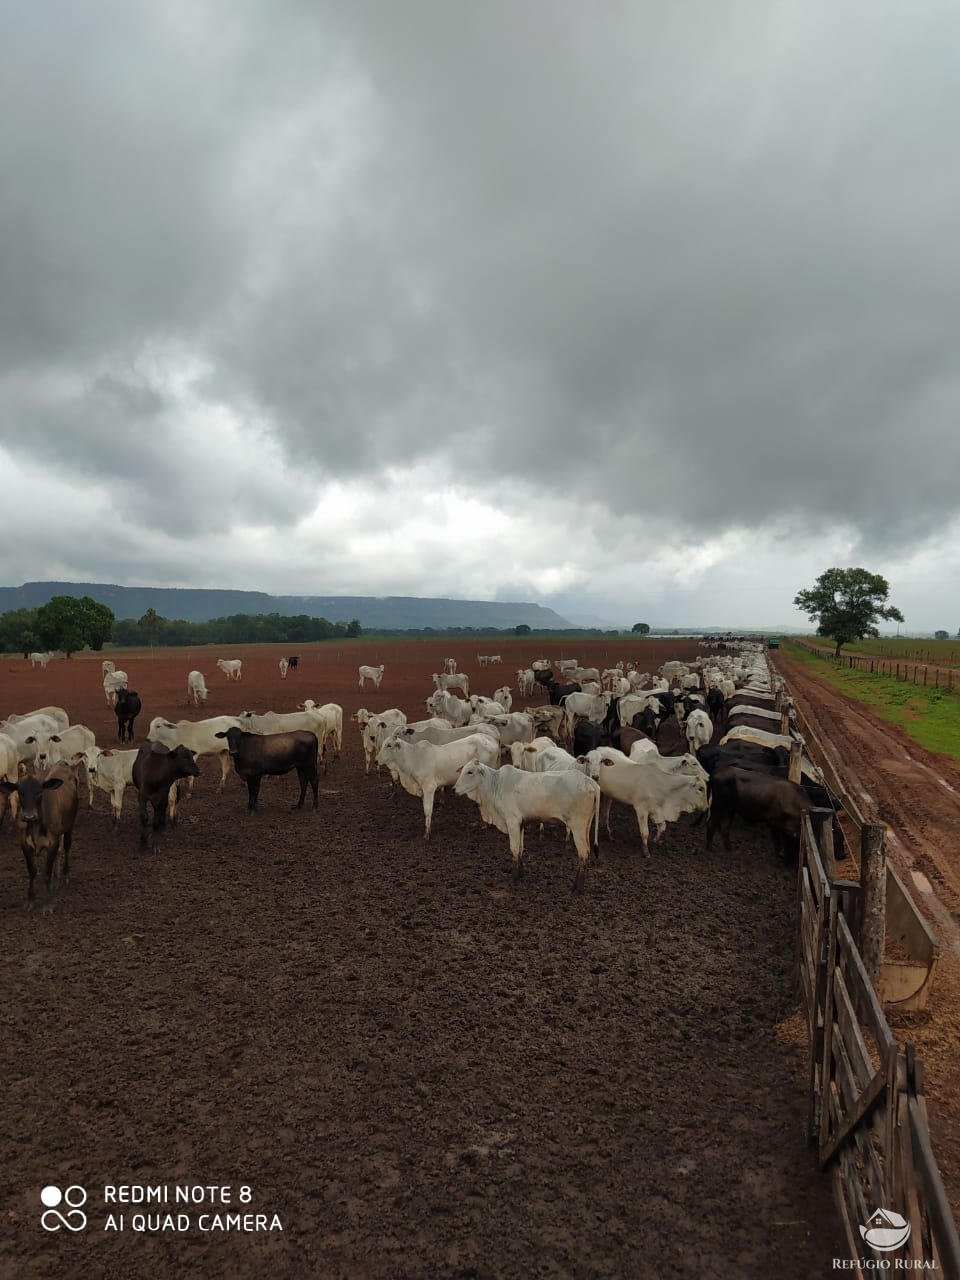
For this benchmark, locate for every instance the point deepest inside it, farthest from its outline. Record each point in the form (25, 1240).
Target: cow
(56, 714)
(330, 718)
(51, 748)
(10, 771)
(293, 662)
(232, 668)
(375, 728)
(113, 682)
(507, 797)
(199, 736)
(449, 706)
(196, 689)
(422, 768)
(778, 803)
(655, 795)
(259, 755)
(41, 659)
(47, 813)
(515, 726)
(156, 769)
(371, 673)
(698, 729)
(112, 771)
(284, 665)
(25, 732)
(504, 697)
(458, 680)
(128, 707)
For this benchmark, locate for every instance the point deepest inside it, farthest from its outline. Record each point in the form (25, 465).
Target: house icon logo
(886, 1230)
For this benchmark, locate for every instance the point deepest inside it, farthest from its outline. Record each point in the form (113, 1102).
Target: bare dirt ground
(917, 794)
(422, 1069)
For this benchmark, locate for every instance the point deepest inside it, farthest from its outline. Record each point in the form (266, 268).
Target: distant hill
(372, 612)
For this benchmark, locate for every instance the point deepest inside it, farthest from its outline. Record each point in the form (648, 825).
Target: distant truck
(773, 642)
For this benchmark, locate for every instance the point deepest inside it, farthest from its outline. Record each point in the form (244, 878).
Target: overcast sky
(645, 310)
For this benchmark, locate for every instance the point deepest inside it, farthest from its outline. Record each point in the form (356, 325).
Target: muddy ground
(420, 1068)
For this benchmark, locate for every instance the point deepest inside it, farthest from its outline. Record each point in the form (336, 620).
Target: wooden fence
(867, 1112)
(928, 675)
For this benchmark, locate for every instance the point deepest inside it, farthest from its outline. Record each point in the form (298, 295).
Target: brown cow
(155, 770)
(48, 810)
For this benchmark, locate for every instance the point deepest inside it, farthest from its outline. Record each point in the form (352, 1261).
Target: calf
(156, 769)
(371, 673)
(127, 708)
(256, 755)
(47, 812)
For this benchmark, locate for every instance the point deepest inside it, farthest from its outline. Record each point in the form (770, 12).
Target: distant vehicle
(773, 642)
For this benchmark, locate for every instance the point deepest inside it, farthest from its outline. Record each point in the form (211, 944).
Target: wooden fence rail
(922, 673)
(867, 1110)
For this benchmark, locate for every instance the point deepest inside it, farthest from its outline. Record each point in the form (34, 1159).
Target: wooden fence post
(796, 754)
(873, 884)
(785, 721)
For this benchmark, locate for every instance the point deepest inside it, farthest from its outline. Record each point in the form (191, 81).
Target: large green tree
(71, 623)
(641, 628)
(19, 632)
(847, 604)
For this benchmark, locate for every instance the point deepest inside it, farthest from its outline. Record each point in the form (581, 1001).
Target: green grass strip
(930, 717)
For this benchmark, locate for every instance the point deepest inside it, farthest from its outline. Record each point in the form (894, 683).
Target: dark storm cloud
(693, 263)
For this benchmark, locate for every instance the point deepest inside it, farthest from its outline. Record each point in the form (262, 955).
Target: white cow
(9, 772)
(112, 771)
(654, 794)
(231, 667)
(56, 714)
(51, 748)
(699, 729)
(199, 736)
(450, 707)
(508, 797)
(486, 706)
(41, 659)
(375, 728)
(525, 682)
(504, 697)
(331, 716)
(459, 680)
(593, 706)
(450, 665)
(284, 667)
(423, 768)
(568, 664)
(494, 660)
(517, 726)
(547, 717)
(196, 689)
(542, 755)
(24, 733)
(371, 673)
(439, 731)
(114, 681)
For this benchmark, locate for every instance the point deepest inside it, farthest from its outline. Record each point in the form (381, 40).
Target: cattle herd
(593, 740)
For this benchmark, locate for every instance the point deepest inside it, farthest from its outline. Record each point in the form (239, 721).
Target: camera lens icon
(72, 1197)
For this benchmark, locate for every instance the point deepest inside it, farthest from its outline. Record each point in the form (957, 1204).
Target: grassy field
(941, 653)
(930, 716)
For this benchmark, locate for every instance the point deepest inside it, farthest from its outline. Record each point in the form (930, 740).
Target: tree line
(71, 623)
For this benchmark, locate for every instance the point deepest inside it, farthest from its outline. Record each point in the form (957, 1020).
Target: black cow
(128, 707)
(587, 736)
(776, 802)
(716, 704)
(47, 812)
(272, 754)
(156, 769)
(293, 662)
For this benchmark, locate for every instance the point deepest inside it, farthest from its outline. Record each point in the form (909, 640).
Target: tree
(641, 628)
(19, 632)
(151, 624)
(521, 629)
(69, 623)
(847, 604)
(941, 635)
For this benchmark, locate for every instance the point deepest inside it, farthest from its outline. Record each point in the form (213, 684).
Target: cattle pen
(419, 1067)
